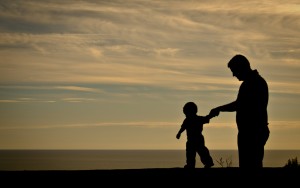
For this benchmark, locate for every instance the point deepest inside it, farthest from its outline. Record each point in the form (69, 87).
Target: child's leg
(205, 157)
(204, 154)
(190, 155)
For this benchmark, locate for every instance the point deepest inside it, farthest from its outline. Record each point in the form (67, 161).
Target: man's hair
(239, 61)
(190, 108)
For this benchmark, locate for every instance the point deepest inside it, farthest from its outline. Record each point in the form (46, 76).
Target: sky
(113, 74)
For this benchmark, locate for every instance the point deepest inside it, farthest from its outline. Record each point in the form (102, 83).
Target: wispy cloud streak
(154, 124)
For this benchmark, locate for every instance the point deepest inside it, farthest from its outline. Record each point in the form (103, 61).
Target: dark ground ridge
(153, 176)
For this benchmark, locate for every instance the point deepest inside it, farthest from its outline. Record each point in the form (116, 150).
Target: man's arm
(230, 107)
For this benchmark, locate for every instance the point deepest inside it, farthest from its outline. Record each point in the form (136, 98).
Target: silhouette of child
(193, 124)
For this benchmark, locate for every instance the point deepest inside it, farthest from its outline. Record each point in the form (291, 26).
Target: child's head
(190, 108)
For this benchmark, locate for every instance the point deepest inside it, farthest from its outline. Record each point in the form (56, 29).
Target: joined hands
(214, 112)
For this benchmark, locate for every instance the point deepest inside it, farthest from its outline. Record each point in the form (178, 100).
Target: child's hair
(190, 108)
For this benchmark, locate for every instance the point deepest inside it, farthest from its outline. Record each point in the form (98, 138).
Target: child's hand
(214, 112)
(209, 116)
(178, 136)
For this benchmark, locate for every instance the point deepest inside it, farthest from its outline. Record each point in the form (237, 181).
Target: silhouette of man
(251, 113)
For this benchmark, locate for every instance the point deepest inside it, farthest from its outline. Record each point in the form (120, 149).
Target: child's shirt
(194, 126)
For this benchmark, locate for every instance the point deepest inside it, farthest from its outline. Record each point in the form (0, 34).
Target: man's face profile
(236, 72)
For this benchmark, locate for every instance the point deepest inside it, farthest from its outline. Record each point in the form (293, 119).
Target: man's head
(239, 66)
(190, 109)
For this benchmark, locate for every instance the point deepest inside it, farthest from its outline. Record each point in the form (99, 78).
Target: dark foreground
(152, 177)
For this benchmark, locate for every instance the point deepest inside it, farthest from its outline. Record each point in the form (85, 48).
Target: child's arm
(179, 132)
(182, 128)
(208, 117)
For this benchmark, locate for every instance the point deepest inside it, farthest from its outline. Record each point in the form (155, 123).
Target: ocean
(124, 159)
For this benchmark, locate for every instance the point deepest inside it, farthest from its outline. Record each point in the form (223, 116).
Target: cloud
(77, 88)
(152, 124)
(182, 46)
(59, 87)
(87, 125)
(26, 100)
(285, 87)
(78, 100)
(47, 94)
(8, 101)
(284, 125)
